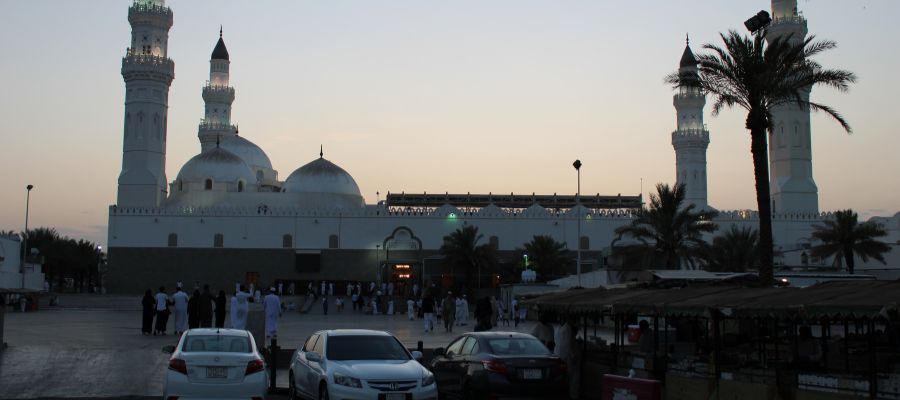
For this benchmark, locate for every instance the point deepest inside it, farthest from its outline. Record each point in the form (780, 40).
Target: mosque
(227, 216)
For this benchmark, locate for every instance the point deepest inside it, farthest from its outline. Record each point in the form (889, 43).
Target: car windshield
(216, 343)
(342, 348)
(517, 347)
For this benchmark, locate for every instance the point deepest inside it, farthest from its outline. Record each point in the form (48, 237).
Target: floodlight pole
(25, 236)
(577, 165)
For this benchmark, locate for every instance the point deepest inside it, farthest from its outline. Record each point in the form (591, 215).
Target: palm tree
(547, 255)
(735, 250)
(758, 75)
(845, 237)
(461, 249)
(675, 229)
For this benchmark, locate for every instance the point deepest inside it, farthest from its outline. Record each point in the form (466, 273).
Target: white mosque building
(226, 217)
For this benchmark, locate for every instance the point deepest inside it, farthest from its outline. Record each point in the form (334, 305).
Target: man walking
(181, 303)
(272, 306)
(428, 311)
(448, 311)
(206, 308)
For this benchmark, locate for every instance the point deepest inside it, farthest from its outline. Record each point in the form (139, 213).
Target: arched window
(180, 185)
(240, 186)
(585, 243)
(781, 136)
(287, 241)
(208, 184)
(173, 240)
(259, 176)
(494, 242)
(796, 138)
(218, 240)
(333, 241)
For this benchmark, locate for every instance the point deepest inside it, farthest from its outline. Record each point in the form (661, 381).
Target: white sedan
(215, 363)
(351, 364)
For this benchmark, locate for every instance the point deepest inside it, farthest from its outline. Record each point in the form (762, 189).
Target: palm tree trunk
(848, 256)
(756, 122)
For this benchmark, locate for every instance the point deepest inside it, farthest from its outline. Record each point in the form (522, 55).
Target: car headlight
(345, 380)
(428, 380)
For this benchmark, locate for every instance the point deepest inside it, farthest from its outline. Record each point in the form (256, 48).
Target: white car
(216, 363)
(356, 364)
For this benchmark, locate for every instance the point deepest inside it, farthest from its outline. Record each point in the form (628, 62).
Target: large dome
(321, 176)
(254, 156)
(217, 164)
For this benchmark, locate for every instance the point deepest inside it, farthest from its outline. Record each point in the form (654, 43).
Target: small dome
(217, 164)
(536, 211)
(321, 176)
(254, 156)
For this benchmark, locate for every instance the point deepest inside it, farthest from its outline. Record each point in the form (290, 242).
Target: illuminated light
(451, 216)
(401, 266)
(403, 276)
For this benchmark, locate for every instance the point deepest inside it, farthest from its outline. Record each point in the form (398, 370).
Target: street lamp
(25, 236)
(758, 22)
(99, 262)
(577, 165)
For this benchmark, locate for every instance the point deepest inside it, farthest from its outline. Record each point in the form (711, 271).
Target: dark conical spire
(321, 153)
(220, 52)
(687, 58)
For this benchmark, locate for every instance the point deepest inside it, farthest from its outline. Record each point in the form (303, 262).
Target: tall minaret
(790, 150)
(148, 73)
(218, 96)
(691, 138)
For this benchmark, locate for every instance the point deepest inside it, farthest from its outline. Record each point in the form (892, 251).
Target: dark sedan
(498, 365)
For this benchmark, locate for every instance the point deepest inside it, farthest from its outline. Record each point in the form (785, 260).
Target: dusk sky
(429, 96)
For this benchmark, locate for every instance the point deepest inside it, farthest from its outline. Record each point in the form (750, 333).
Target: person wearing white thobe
(234, 311)
(568, 352)
(331, 289)
(411, 309)
(181, 301)
(243, 308)
(390, 307)
(464, 314)
(458, 317)
(272, 305)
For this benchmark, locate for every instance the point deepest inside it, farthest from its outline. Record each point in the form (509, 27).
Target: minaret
(148, 73)
(691, 138)
(218, 96)
(790, 150)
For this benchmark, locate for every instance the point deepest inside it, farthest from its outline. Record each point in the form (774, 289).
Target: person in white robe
(272, 305)
(457, 319)
(181, 302)
(243, 309)
(464, 313)
(234, 308)
(410, 309)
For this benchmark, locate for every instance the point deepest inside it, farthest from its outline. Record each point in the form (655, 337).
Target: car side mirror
(168, 349)
(439, 351)
(417, 355)
(312, 356)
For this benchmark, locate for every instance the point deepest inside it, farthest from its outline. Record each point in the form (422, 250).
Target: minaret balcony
(789, 19)
(216, 127)
(690, 136)
(147, 66)
(218, 94)
(150, 14)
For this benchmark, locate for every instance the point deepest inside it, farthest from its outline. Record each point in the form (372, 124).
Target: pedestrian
(428, 312)
(354, 298)
(272, 306)
(324, 289)
(220, 309)
(390, 306)
(339, 304)
(193, 310)
(324, 304)
(349, 289)
(280, 288)
(568, 352)
(291, 289)
(205, 308)
(241, 309)
(543, 331)
(180, 299)
(257, 296)
(148, 304)
(162, 311)
(522, 311)
(514, 312)
(483, 315)
(464, 303)
(410, 309)
(331, 289)
(448, 311)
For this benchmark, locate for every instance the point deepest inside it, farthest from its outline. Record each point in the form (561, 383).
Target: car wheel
(292, 389)
(323, 392)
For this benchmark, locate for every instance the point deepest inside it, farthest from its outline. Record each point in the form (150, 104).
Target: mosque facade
(227, 217)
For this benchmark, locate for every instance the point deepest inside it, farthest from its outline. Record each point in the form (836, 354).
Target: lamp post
(25, 236)
(99, 262)
(577, 165)
(377, 263)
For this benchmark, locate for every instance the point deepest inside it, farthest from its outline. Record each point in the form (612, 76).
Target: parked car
(358, 364)
(215, 363)
(493, 365)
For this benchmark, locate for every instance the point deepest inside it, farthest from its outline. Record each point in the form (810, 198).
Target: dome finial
(321, 153)
(687, 39)
(220, 30)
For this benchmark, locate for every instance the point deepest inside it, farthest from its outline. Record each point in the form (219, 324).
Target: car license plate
(395, 396)
(531, 374)
(216, 372)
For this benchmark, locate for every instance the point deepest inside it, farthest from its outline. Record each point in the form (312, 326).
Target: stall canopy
(829, 299)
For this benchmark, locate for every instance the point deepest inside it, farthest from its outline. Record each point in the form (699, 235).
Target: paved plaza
(93, 347)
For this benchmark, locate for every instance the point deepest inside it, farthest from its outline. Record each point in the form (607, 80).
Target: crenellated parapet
(143, 14)
(147, 66)
(218, 94)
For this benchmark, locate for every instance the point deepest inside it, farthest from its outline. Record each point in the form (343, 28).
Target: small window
(240, 186)
(494, 242)
(218, 240)
(287, 241)
(333, 242)
(180, 185)
(585, 243)
(208, 184)
(173, 240)
(259, 176)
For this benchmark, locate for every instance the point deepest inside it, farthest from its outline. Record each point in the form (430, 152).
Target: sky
(428, 96)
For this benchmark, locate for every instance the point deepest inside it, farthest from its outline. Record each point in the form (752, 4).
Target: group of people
(203, 310)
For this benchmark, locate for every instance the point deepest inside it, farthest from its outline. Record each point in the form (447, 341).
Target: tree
(547, 255)
(461, 250)
(844, 237)
(758, 75)
(675, 229)
(735, 250)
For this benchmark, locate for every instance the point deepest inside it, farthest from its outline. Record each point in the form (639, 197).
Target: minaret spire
(321, 153)
(687, 39)
(690, 138)
(220, 31)
(218, 96)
